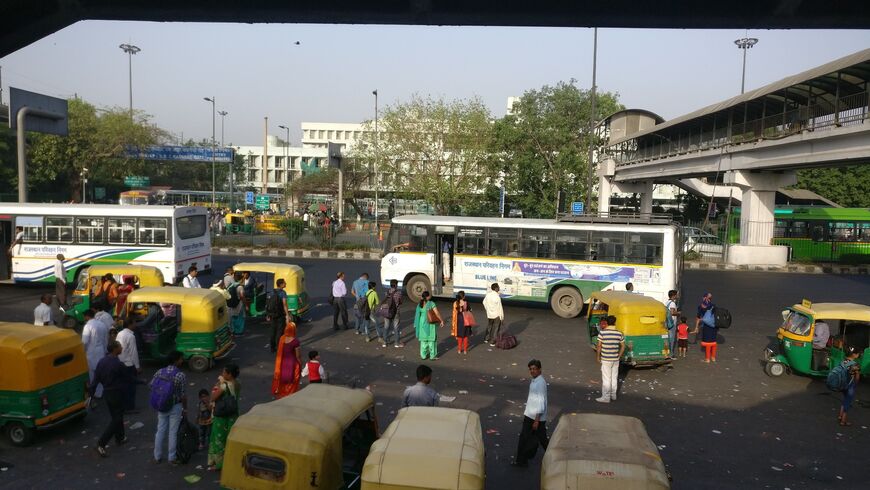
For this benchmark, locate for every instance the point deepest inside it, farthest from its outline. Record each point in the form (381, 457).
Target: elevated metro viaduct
(755, 142)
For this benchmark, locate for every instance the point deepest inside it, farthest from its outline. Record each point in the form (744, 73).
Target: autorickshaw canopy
(427, 447)
(202, 310)
(589, 450)
(292, 274)
(35, 357)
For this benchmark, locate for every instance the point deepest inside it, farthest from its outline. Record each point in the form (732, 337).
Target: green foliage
(433, 149)
(846, 186)
(543, 147)
(96, 141)
(292, 227)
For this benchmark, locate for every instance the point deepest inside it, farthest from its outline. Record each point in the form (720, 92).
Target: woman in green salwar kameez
(227, 385)
(427, 333)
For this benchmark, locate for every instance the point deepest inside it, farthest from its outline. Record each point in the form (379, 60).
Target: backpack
(162, 390)
(227, 405)
(234, 295)
(709, 318)
(838, 378)
(669, 318)
(365, 309)
(388, 308)
(505, 341)
(188, 441)
(274, 307)
(723, 317)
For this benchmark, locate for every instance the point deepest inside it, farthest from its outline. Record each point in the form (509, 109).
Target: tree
(325, 181)
(96, 141)
(846, 186)
(432, 149)
(543, 145)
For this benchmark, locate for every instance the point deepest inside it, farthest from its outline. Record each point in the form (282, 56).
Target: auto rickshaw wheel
(566, 302)
(19, 434)
(198, 364)
(69, 322)
(774, 369)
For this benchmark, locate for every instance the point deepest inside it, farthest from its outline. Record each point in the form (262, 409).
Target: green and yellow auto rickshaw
(43, 379)
(193, 321)
(89, 282)
(640, 318)
(239, 223)
(835, 327)
(298, 302)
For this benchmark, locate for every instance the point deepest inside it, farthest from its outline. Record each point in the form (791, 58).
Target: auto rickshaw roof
(31, 350)
(196, 297)
(620, 302)
(449, 440)
(586, 445)
(288, 272)
(148, 275)
(837, 311)
(306, 422)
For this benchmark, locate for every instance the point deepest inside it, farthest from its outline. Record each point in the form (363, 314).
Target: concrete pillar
(606, 170)
(646, 197)
(756, 217)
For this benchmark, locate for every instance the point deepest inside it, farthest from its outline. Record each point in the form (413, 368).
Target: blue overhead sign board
(182, 153)
(249, 197)
(577, 208)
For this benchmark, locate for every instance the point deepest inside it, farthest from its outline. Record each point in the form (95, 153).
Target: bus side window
(818, 232)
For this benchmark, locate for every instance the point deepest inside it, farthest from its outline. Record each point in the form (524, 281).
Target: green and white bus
(560, 262)
(171, 238)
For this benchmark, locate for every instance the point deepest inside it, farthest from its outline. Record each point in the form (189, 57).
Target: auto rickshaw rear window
(259, 466)
(60, 361)
(797, 324)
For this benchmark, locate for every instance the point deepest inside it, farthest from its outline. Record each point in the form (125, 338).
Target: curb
(300, 254)
(860, 270)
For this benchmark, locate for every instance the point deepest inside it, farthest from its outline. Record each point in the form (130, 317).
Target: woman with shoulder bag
(225, 397)
(462, 322)
(426, 323)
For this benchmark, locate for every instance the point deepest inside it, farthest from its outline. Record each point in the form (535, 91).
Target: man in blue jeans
(171, 419)
(358, 289)
(391, 325)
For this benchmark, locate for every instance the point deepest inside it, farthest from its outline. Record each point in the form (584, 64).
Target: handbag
(468, 319)
(227, 405)
(431, 316)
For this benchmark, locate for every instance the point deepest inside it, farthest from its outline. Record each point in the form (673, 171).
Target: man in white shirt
(42, 313)
(674, 314)
(95, 337)
(103, 316)
(130, 357)
(534, 418)
(494, 314)
(19, 239)
(190, 280)
(60, 281)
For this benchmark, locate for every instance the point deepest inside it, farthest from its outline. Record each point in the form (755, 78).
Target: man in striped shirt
(611, 345)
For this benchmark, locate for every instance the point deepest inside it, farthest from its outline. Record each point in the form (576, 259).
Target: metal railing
(848, 111)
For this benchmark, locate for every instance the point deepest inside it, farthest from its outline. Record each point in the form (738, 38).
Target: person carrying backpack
(844, 378)
(236, 304)
(389, 311)
(277, 313)
(169, 398)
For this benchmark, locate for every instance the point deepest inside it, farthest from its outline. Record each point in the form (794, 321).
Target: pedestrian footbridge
(753, 142)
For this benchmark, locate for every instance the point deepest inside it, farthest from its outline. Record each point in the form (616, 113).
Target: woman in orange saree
(288, 368)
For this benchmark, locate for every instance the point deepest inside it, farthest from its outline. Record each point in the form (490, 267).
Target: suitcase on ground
(188, 441)
(505, 341)
(723, 317)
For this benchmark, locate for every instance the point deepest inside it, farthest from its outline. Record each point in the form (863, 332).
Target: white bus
(167, 237)
(560, 262)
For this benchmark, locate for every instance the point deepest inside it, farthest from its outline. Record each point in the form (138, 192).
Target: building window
(320, 134)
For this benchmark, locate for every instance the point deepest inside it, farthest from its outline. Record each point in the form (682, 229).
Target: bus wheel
(19, 434)
(416, 286)
(566, 302)
(69, 322)
(774, 369)
(198, 364)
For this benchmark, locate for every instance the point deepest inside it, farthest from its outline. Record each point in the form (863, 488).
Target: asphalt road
(723, 425)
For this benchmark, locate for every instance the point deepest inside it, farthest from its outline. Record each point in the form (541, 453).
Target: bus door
(445, 243)
(6, 236)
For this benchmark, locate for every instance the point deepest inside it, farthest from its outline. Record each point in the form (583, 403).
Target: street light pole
(222, 114)
(213, 149)
(286, 154)
(130, 50)
(232, 161)
(745, 43)
(377, 162)
(592, 117)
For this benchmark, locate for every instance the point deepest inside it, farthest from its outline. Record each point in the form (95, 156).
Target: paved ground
(718, 426)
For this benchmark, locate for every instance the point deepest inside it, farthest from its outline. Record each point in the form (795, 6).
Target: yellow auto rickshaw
(269, 224)
(259, 292)
(238, 223)
(315, 438)
(449, 440)
(590, 450)
(43, 379)
(89, 281)
(191, 320)
(640, 318)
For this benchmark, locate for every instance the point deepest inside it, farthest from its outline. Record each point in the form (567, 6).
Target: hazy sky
(257, 70)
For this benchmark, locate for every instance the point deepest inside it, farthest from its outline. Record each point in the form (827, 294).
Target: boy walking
(611, 345)
(313, 369)
(534, 430)
(682, 336)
